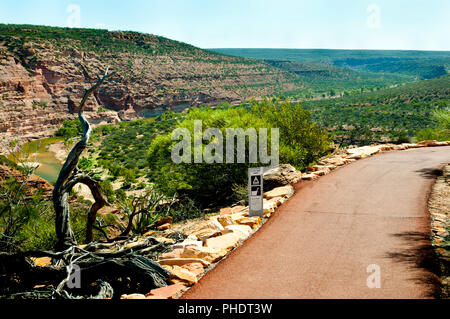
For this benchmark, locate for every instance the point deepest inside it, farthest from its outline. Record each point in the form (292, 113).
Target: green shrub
(240, 193)
(129, 175)
(301, 143)
(401, 137)
(203, 182)
(69, 129)
(17, 212)
(108, 190)
(184, 208)
(442, 130)
(85, 164)
(40, 232)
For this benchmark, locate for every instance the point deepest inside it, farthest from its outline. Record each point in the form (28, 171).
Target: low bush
(441, 132)
(69, 129)
(301, 142)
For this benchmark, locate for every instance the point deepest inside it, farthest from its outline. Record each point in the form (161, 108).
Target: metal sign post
(255, 191)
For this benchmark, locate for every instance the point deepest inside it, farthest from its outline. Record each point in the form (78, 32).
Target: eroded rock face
(176, 253)
(36, 97)
(33, 104)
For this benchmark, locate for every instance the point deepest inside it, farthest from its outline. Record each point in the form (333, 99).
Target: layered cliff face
(33, 104)
(44, 72)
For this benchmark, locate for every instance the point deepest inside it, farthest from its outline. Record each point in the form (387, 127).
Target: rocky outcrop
(34, 104)
(283, 174)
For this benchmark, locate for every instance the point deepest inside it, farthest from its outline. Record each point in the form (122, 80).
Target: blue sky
(334, 24)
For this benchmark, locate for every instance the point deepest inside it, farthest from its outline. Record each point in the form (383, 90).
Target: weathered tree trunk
(69, 176)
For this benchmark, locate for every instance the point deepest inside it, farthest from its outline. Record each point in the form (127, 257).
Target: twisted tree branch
(69, 176)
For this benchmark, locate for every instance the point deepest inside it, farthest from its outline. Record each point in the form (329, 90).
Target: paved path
(320, 242)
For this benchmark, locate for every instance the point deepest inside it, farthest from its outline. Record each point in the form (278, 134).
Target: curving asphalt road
(320, 242)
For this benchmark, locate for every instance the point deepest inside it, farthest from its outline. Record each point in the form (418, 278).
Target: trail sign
(256, 180)
(255, 191)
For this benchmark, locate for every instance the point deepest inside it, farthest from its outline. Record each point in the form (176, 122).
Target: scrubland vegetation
(301, 143)
(316, 97)
(419, 64)
(136, 156)
(394, 114)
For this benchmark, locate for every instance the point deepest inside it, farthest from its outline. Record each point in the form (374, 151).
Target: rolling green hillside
(330, 80)
(420, 64)
(333, 72)
(393, 114)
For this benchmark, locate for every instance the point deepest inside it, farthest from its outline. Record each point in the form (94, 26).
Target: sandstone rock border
(439, 208)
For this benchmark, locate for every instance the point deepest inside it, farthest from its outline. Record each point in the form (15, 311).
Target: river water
(49, 166)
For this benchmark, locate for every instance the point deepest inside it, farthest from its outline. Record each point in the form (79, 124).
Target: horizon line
(217, 48)
(334, 49)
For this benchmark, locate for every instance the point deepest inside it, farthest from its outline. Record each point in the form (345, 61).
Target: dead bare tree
(69, 176)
